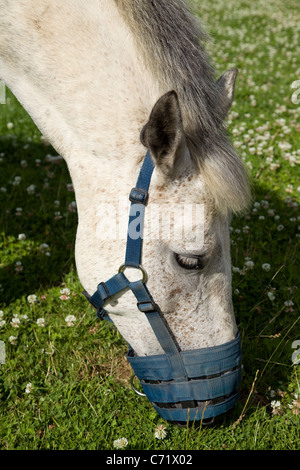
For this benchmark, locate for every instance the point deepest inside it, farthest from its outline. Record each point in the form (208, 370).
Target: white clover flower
(65, 294)
(31, 189)
(44, 247)
(72, 207)
(235, 269)
(12, 339)
(17, 180)
(70, 187)
(28, 388)
(160, 432)
(65, 291)
(275, 165)
(18, 267)
(15, 322)
(266, 266)
(280, 228)
(295, 405)
(41, 322)
(120, 443)
(19, 211)
(289, 305)
(249, 264)
(21, 236)
(271, 296)
(31, 299)
(71, 320)
(276, 407)
(1, 313)
(284, 146)
(2, 323)
(275, 404)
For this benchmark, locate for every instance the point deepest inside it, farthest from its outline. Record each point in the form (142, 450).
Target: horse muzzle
(209, 388)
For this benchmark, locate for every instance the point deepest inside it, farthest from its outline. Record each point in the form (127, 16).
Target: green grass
(80, 395)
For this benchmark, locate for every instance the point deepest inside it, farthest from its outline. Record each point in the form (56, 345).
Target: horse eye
(190, 262)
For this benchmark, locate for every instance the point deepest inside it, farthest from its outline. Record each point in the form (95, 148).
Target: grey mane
(171, 43)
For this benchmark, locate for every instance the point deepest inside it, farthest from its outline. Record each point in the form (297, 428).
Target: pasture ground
(65, 381)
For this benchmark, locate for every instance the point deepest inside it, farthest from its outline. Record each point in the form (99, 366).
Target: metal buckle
(134, 388)
(138, 196)
(140, 267)
(101, 313)
(102, 284)
(148, 306)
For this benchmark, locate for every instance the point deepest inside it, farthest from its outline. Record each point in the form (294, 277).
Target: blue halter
(183, 386)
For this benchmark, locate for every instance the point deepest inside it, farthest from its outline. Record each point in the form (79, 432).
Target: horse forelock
(171, 42)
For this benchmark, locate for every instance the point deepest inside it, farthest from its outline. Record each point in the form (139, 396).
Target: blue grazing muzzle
(183, 386)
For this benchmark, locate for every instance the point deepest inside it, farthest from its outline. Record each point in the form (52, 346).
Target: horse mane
(171, 42)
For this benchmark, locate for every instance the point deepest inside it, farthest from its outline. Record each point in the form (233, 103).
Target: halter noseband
(183, 386)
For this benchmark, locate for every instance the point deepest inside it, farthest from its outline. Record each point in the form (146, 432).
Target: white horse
(104, 80)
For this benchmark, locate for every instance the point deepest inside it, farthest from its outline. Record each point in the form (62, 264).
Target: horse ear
(163, 134)
(226, 85)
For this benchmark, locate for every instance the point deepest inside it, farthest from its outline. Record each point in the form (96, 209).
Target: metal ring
(133, 387)
(140, 267)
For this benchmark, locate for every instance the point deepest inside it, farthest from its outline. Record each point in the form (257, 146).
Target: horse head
(183, 255)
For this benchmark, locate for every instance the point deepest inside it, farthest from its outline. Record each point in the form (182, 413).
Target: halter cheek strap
(119, 284)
